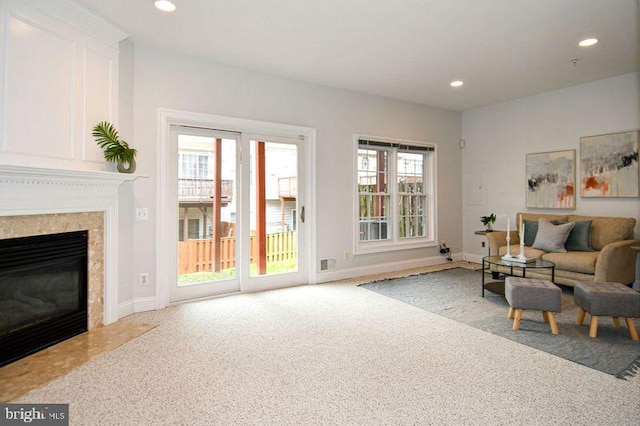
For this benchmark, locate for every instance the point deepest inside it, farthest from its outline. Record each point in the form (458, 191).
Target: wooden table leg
(545, 316)
(581, 315)
(593, 328)
(516, 321)
(553, 323)
(616, 322)
(632, 329)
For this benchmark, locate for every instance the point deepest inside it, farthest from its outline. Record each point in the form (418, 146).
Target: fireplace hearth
(43, 292)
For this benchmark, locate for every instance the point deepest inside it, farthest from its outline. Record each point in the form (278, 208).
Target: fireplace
(43, 291)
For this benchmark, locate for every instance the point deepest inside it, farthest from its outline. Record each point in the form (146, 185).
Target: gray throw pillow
(579, 238)
(530, 232)
(550, 237)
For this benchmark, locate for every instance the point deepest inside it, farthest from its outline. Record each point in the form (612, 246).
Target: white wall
(172, 81)
(499, 136)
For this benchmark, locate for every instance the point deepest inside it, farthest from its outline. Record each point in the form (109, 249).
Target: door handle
(302, 214)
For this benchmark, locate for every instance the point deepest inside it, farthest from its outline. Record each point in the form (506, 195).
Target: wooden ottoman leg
(516, 321)
(545, 316)
(616, 322)
(581, 315)
(553, 323)
(593, 328)
(511, 312)
(632, 329)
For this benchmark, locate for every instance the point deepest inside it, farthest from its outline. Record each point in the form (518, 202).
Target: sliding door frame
(166, 265)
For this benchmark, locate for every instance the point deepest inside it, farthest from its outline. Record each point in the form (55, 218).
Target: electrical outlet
(143, 278)
(347, 255)
(142, 213)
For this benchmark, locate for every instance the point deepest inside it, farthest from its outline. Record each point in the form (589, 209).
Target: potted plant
(115, 149)
(488, 221)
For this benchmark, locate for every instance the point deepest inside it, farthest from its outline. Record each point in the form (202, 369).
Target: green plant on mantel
(115, 149)
(488, 221)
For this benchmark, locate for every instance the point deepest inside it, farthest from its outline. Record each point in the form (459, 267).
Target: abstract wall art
(609, 165)
(551, 180)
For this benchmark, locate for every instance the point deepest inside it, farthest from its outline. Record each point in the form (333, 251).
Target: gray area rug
(456, 294)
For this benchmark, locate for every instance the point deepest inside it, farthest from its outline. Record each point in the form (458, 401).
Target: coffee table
(516, 269)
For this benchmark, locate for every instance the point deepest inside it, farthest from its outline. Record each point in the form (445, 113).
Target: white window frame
(395, 243)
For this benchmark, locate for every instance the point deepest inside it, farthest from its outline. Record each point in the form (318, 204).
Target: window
(395, 194)
(195, 166)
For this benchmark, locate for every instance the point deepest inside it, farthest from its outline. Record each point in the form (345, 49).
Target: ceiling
(402, 49)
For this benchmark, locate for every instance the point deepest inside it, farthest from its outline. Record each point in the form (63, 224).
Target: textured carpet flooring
(456, 294)
(330, 354)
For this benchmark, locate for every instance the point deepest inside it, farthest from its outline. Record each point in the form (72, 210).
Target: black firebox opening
(43, 292)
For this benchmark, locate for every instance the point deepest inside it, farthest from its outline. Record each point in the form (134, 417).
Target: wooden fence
(197, 255)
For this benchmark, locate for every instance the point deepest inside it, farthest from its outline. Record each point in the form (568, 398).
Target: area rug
(456, 294)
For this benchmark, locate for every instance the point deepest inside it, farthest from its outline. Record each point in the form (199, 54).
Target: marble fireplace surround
(38, 201)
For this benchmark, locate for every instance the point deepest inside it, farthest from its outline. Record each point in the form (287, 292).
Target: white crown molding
(77, 16)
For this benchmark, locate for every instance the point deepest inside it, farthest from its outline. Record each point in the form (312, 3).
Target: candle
(508, 225)
(522, 235)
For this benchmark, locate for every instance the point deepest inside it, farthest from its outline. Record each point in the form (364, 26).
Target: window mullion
(393, 194)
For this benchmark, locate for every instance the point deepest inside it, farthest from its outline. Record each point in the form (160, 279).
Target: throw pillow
(550, 237)
(579, 238)
(530, 231)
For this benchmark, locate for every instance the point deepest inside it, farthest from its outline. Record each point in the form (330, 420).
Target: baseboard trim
(139, 304)
(381, 268)
(143, 304)
(475, 258)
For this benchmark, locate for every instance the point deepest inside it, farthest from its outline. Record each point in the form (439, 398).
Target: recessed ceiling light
(457, 83)
(588, 42)
(165, 5)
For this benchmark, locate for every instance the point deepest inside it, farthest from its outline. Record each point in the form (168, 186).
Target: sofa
(596, 249)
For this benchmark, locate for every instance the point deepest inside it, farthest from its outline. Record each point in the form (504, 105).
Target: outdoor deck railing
(197, 255)
(203, 188)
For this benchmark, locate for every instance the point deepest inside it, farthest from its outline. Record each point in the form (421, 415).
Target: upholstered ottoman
(609, 300)
(532, 294)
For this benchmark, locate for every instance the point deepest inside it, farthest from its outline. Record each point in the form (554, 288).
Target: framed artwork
(609, 165)
(551, 180)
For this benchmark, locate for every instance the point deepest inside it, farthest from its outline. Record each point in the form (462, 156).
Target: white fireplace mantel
(38, 191)
(35, 175)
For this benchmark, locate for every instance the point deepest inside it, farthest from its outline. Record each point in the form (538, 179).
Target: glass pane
(410, 172)
(373, 170)
(206, 227)
(411, 200)
(374, 217)
(373, 178)
(412, 215)
(274, 194)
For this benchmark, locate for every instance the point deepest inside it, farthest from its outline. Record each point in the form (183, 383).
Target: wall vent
(326, 264)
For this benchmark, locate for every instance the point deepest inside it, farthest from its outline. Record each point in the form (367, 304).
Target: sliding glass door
(275, 216)
(239, 222)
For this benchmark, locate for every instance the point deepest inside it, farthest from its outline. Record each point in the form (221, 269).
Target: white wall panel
(98, 100)
(39, 98)
(60, 72)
